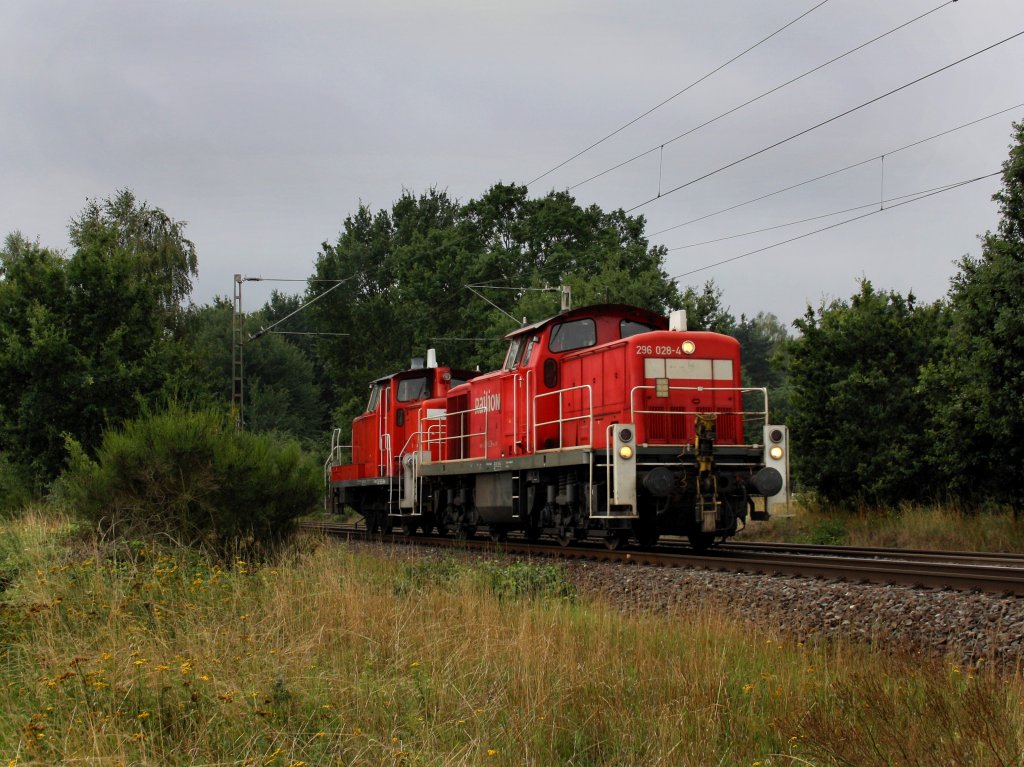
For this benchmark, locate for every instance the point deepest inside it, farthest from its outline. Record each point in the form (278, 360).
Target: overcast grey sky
(263, 124)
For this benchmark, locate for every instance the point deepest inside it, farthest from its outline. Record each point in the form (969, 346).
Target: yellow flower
(492, 752)
(143, 715)
(747, 688)
(414, 664)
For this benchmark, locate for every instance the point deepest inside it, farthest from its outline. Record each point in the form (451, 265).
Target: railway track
(964, 571)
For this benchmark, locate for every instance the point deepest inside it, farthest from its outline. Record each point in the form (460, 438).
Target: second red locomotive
(608, 421)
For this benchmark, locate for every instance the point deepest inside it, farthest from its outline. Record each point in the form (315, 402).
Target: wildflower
(320, 734)
(140, 662)
(143, 715)
(494, 752)
(747, 688)
(163, 667)
(204, 678)
(414, 664)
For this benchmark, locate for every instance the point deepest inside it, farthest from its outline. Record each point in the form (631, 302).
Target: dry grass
(136, 655)
(914, 527)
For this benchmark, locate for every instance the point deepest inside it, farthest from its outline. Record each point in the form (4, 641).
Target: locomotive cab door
(515, 392)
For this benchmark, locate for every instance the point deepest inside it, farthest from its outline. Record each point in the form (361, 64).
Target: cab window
(529, 351)
(629, 328)
(577, 334)
(374, 398)
(410, 389)
(514, 349)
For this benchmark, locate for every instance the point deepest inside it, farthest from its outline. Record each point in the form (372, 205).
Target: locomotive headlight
(625, 452)
(776, 452)
(689, 347)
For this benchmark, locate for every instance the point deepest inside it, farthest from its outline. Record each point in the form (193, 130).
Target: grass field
(128, 653)
(911, 527)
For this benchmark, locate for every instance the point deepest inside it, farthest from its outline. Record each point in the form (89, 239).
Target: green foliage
(190, 476)
(85, 339)
(704, 309)
(524, 580)
(858, 418)
(281, 392)
(15, 490)
(978, 383)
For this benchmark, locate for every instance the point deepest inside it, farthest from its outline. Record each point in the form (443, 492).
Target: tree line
(888, 399)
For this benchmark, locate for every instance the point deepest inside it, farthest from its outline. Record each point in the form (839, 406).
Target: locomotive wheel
(564, 535)
(465, 532)
(498, 535)
(701, 541)
(616, 539)
(409, 528)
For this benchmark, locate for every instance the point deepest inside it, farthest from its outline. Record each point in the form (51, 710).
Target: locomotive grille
(665, 426)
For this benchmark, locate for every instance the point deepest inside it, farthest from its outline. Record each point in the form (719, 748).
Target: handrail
(444, 427)
(562, 420)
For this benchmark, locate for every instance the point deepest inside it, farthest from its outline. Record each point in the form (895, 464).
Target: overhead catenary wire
(874, 204)
(835, 172)
(833, 226)
(832, 119)
(661, 147)
(678, 93)
(338, 284)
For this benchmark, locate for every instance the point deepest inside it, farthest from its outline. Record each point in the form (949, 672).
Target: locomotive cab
(394, 426)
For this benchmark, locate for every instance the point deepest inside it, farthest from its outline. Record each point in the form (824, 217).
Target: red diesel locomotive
(608, 421)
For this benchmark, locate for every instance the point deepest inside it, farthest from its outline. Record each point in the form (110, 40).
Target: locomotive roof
(463, 375)
(619, 310)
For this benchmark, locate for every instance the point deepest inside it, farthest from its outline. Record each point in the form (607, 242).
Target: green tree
(977, 386)
(705, 311)
(281, 393)
(85, 340)
(857, 416)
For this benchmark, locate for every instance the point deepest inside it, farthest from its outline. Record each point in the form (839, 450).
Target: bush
(14, 487)
(191, 476)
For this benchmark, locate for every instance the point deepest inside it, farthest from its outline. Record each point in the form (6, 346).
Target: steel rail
(1005, 579)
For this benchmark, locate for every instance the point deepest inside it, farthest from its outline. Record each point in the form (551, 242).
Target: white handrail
(562, 420)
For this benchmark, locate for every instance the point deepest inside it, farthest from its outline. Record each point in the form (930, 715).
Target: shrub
(14, 487)
(191, 476)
